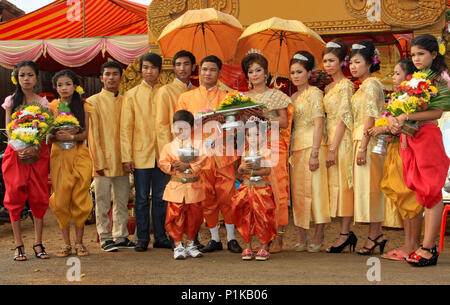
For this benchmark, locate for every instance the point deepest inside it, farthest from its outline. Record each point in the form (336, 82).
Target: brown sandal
(81, 250)
(65, 251)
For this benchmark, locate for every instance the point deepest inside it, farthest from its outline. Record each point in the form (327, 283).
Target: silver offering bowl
(255, 160)
(188, 155)
(230, 120)
(381, 147)
(66, 145)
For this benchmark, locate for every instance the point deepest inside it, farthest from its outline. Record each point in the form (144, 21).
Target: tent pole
(84, 18)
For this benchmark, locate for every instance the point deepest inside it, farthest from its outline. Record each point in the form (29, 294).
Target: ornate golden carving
(357, 8)
(162, 12)
(412, 13)
(131, 77)
(403, 13)
(347, 26)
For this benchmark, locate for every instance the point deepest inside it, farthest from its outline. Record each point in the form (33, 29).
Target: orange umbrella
(202, 32)
(278, 39)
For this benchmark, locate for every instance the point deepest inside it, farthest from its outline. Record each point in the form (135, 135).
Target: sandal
(247, 255)
(395, 255)
(65, 251)
(368, 251)
(20, 254)
(262, 255)
(39, 254)
(81, 250)
(420, 261)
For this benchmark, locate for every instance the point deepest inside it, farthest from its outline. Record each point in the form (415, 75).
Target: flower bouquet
(65, 120)
(416, 94)
(28, 128)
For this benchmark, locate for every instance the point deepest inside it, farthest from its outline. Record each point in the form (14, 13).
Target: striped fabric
(64, 19)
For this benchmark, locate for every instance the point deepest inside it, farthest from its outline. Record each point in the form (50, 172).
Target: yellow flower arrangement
(236, 100)
(29, 126)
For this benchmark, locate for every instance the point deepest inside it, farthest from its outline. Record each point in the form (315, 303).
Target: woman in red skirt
(26, 182)
(425, 163)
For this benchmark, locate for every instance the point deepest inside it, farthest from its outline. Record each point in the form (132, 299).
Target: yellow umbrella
(279, 39)
(202, 32)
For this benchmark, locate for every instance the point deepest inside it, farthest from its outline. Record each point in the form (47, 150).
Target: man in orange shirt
(219, 175)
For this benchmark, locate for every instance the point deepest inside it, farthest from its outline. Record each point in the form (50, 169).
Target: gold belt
(184, 179)
(260, 183)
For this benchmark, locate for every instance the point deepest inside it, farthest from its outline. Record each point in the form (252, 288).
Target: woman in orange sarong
(71, 169)
(253, 206)
(279, 109)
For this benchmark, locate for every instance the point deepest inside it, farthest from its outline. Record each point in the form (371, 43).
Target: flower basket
(28, 128)
(65, 120)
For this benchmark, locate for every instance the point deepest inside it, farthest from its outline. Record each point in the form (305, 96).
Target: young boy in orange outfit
(184, 192)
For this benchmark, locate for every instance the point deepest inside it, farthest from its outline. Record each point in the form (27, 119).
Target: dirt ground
(157, 266)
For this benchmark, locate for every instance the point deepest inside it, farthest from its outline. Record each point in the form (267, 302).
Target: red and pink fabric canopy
(72, 33)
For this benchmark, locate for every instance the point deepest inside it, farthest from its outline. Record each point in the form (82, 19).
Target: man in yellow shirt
(140, 151)
(104, 147)
(167, 96)
(218, 176)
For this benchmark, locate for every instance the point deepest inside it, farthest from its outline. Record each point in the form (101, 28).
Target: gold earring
(250, 85)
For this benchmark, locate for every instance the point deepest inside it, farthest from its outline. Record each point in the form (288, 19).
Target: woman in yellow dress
(393, 185)
(255, 67)
(71, 169)
(308, 156)
(339, 122)
(367, 103)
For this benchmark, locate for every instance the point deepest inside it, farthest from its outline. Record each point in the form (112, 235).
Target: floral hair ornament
(347, 61)
(376, 59)
(333, 45)
(80, 90)
(13, 79)
(442, 49)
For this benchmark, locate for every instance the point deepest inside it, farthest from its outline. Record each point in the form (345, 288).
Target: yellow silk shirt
(307, 107)
(368, 101)
(166, 102)
(104, 133)
(138, 129)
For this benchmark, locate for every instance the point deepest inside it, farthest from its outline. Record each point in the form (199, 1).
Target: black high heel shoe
(368, 251)
(351, 242)
(420, 261)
